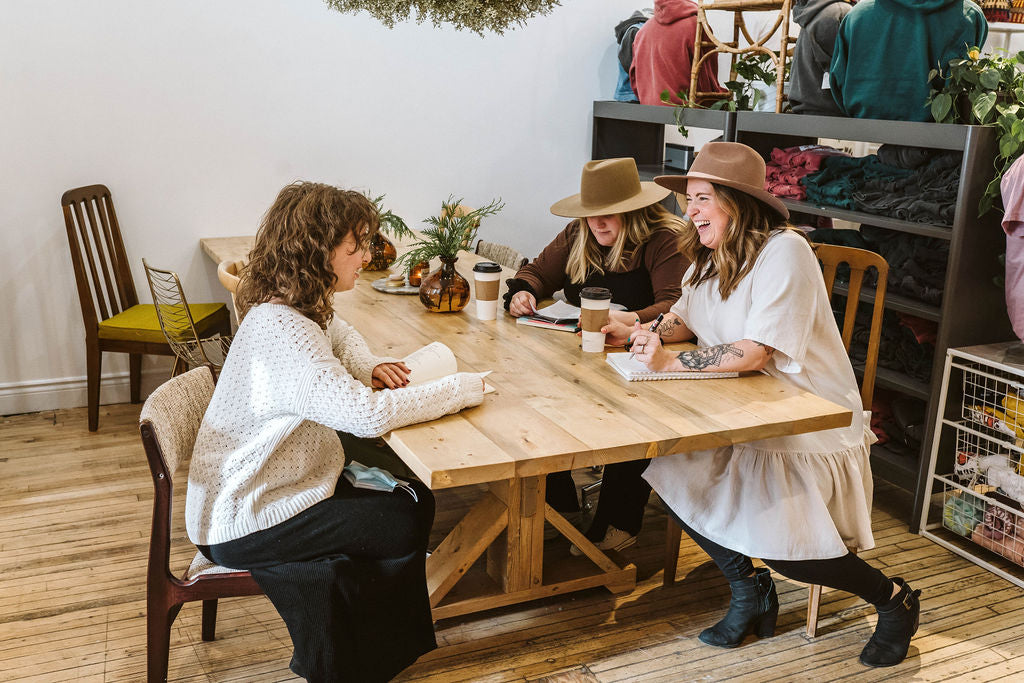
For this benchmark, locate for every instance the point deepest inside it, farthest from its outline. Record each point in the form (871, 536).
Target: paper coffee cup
(487, 276)
(594, 304)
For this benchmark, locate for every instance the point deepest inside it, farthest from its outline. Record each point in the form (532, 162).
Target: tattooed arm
(735, 357)
(671, 329)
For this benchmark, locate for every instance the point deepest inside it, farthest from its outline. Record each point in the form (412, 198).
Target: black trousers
(348, 577)
(849, 573)
(624, 494)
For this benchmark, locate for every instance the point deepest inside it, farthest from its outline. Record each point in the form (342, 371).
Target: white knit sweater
(267, 448)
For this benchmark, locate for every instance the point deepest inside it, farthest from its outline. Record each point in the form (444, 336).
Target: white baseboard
(70, 392)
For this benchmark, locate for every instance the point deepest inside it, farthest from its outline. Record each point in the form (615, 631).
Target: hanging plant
(475, 15)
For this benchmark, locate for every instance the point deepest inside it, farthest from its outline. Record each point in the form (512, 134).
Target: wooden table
(555, 408)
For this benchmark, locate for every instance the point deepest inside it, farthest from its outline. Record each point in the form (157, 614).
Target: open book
(634, 370)
(558, 312)
(433, 361)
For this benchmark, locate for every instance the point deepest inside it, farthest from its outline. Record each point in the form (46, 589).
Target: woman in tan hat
(623, 239)
(755, 299)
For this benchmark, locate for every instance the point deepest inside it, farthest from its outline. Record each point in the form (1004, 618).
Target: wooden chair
(178, 326)
(501, 254)
(831, 257)
(707, 45)
(168, 424)
(114, 319)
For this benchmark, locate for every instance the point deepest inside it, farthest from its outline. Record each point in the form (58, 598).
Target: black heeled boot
(754, 607)
(897, 623)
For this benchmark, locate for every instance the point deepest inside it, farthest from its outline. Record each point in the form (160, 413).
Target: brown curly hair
(291, 259)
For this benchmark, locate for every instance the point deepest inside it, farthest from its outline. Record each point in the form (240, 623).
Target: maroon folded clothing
(781, 189)
(809, 157)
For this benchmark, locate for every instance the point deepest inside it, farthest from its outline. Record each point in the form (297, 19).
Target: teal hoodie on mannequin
(885, 49)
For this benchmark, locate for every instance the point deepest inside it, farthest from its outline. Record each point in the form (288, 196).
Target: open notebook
(634, 370)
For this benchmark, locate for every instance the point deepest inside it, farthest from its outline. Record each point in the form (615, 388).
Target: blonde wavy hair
(296, 239)
(751, 224)
(586, 256)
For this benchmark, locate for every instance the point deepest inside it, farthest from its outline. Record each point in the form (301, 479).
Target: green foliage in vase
(391, 223)
(984, 90)
(448, 232)
(475, 15)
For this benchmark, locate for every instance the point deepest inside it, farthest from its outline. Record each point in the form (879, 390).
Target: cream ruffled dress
(790, 498)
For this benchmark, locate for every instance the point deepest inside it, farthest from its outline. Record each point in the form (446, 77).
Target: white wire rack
(976, 483)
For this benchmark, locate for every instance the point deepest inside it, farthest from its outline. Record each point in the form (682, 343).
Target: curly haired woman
(343, 566)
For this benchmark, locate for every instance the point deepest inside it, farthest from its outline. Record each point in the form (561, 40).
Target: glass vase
(444, 290)
(382, 253)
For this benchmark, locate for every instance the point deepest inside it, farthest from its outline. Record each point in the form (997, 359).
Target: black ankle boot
(897, 624)
(754, 607)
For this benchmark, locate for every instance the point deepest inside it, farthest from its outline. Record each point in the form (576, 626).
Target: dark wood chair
(114, 319)
(831, 257)
(168, 424)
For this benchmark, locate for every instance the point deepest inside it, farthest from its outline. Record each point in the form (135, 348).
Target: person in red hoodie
(663, 54)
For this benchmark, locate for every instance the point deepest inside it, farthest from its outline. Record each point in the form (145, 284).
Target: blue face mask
(375, 479)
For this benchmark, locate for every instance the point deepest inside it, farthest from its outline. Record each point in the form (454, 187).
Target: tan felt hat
(609, 186)
(732, 164)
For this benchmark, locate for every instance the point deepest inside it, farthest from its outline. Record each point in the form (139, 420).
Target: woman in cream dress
(754, 298)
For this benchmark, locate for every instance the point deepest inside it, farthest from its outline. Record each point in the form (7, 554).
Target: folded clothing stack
(788, 165)
(908, 183)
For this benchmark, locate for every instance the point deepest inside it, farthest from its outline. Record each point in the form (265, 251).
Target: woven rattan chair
(114, 319)
(831, 257)
(175, 317)
(168, 425)
(501, 254)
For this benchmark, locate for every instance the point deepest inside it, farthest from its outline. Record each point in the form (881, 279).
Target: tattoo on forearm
(667, 327)
(769, 351)
(708, 356)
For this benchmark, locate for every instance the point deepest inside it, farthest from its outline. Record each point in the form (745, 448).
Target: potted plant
(454, 228)
(382, 250)
(985, 90)
(757, 71)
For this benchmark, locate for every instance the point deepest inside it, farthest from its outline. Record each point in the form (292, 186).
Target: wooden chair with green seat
(831, 257)
(114, 320)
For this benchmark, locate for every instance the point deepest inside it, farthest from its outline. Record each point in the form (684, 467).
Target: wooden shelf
(896, 302)
(925, 229)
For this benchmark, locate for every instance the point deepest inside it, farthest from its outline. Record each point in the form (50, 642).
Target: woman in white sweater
(344, 566)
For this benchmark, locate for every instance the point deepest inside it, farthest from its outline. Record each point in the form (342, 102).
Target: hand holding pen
(652, 328)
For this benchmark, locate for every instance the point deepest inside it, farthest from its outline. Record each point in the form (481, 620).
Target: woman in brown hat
(623, 239)
(754, 298)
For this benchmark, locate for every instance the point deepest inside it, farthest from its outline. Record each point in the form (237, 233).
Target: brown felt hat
(732, 164)
(609, 186)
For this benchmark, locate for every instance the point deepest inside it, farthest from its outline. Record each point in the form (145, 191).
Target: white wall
(196, 113)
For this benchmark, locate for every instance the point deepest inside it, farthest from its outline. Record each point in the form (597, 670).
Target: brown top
(647, 296)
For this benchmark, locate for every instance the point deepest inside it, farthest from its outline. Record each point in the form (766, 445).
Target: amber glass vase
(382, 253)
(444, 290)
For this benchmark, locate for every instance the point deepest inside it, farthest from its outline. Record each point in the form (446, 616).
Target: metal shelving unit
(976, 447)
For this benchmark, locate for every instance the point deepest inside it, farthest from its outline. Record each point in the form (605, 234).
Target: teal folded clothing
(962, 513)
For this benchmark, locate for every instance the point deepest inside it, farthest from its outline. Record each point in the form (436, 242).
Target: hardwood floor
(74, 528)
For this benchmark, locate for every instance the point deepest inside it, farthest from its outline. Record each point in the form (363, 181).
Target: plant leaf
(941, 105)
(982, 104)
(990, 79)
(1009, 146)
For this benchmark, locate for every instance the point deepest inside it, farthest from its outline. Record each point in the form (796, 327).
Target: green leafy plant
(448, 232)
(476, 15)
(751, 67)
(391, 223)
(985, 90)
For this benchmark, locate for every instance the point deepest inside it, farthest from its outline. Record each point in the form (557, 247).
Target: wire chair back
(177, 324)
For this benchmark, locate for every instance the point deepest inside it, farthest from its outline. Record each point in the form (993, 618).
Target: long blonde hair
(586, 255)
(751, 223)
(296, 239)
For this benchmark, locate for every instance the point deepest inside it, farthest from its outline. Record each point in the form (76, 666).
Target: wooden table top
(556, 408)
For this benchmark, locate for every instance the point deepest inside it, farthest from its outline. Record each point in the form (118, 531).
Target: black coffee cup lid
(595, 293)
(487, 267)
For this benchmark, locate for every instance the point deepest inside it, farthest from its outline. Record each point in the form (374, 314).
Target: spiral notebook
(634, 370)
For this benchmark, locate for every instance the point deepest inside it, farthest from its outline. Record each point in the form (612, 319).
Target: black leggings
(848, 573)
(624, 494)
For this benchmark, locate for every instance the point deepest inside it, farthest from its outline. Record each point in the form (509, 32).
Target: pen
(653, 328)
